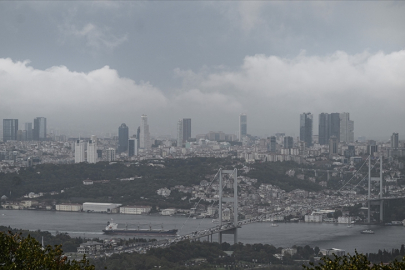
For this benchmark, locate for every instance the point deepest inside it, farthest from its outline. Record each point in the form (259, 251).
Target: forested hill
(149, 177)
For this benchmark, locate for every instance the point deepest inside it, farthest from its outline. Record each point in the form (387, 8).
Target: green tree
(355, 262)
(26, 253)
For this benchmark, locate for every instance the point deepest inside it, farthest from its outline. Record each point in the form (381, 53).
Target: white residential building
(110, 154)
(135, 209)
(69, 207)
(92, 150)
(79, 151)
(346, 128)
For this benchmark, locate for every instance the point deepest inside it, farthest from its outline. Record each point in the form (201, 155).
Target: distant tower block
(242, 126)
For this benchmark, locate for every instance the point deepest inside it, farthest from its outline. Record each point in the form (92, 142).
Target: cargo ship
(112, 228)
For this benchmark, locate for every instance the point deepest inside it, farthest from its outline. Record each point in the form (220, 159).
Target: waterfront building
(92, 150)
(123, 135)
(101, 207)
(39, 133)
(135, 209)
(346, 128)
(242, 126)
(79, 151)
(69, 207)
(306, 120)
(144, 139)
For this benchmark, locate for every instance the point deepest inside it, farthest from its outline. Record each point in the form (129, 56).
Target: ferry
(367, 232)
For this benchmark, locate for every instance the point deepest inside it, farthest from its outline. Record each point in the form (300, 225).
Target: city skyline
(86, 69)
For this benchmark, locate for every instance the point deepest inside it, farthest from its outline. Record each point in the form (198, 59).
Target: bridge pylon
(380, 200)
(233, 199)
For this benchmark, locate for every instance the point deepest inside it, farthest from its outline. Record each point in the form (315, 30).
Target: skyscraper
(306, 128)
(242, 126)
(273, 144)
(39, 133)
(144, 139)
(138, 134)
(288, 142)
(10, 128)
(79, 151)
(186, 129)
(28, 128)
(123, 135)
(394, 140)
(132, 147)
(346, 128)
(333, 146)
(329, 125)
(180, 133)
(92, 150)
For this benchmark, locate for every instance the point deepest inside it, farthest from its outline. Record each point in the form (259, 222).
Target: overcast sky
(90, 66)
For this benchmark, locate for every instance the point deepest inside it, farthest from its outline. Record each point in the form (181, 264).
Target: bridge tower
(380, 200)
(233, 199)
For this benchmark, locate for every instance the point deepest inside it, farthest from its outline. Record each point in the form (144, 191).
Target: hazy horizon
(90, 66)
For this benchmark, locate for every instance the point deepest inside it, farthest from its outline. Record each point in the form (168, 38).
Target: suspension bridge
(231, 226)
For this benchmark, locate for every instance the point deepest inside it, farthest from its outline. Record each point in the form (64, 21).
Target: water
(323, 235)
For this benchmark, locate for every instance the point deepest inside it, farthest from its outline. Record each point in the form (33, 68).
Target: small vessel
(349, 226)
(367, 232)
(112, 228)
(215, 220)
(274, 225)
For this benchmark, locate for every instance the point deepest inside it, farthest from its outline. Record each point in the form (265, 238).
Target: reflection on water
(323, 235)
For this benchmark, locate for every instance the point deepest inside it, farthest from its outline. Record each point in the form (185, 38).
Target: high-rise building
(144, 139)
(132, 147)
(242, 126)
(79, 151)
(186, 129)
(346, 128)
(123, 135)
(110, 154)
(180, 133)
(394, 140)
(92, 150)
(333, 146)
(288, 142)
(10, 128)
(273, 144)
(306, 120)
(329, 125)
(138, 134)
(28, 128)
(39, 133)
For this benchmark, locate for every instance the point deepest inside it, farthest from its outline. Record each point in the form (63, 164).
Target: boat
(349, 226)
(367, 232)
(112, 229)
(274, 225)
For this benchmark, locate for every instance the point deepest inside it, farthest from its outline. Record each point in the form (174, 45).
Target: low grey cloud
(95, 37)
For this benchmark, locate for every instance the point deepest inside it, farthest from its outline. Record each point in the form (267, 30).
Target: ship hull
(141, 232)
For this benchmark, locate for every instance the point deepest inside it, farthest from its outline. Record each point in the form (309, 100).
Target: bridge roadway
(142, 248)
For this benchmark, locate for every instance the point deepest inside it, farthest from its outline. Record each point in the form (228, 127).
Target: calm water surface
(323, 235)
